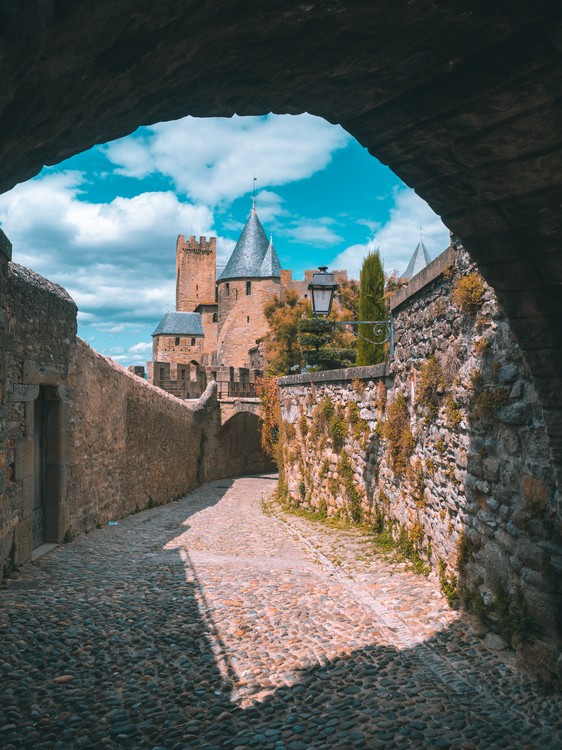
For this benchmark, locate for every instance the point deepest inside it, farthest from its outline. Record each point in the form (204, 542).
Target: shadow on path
(110, 642)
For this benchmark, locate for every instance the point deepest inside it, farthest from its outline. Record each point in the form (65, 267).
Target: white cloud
(397, 238)
(316, 233)
(143, 347)
(213, 160)
(116, 259)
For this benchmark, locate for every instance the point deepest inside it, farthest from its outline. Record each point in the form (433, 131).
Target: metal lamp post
(323, 287)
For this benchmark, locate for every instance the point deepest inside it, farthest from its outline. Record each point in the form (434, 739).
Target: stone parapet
(445, 448)
(370, 372)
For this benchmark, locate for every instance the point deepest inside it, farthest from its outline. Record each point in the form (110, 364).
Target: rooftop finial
(254, 194)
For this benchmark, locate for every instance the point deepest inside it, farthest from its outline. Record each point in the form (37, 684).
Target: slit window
(248, 288)
(177, 341)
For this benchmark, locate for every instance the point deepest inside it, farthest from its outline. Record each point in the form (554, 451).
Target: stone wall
(241, 318)
(83, 441)
(196, 263)
(445, 448)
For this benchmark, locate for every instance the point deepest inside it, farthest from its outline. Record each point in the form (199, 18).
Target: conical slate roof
(420, 259)
(249, 253)
(270, 264)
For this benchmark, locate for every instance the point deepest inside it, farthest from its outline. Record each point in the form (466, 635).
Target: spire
(254, 194)
(247, 257)
(270, 267)
(419, 260)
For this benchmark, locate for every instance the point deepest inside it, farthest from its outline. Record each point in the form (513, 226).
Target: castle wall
(209, 320)
(196, 263)
(446, 449)
(165, 349)
(241, 318)
(88, 439)
(301, 287)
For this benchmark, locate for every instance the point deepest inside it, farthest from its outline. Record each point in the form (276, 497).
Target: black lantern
(322, 288)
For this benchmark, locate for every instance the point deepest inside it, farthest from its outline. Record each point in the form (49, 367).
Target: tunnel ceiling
(462, 100)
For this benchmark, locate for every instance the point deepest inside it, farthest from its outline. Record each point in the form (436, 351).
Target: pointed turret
(249, 253)
(270, 267)
(420, 259)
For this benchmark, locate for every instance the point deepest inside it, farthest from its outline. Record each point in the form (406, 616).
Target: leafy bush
(338, 431)
(431, 384)
(468, 293)
(396, 431)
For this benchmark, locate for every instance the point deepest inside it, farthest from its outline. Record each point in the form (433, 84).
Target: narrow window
(177, 341)
(247, 318)
(227, 289)
(215, 317)
(192, 342)
(248, 287)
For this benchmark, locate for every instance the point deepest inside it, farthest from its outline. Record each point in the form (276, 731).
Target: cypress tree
(372, 306)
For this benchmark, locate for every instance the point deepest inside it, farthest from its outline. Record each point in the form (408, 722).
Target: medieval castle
(219, 322)
(216, 330)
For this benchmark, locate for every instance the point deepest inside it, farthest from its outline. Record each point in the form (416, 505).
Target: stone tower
(196, 264)
(251, 279)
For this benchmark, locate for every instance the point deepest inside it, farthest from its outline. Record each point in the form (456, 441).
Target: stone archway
(240, 446)
(463, 104)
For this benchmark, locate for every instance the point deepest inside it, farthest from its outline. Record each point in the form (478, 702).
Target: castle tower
(419, 260)
(251, 278)
(196, 264)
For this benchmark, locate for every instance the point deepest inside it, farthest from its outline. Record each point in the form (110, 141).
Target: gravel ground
(208, 623)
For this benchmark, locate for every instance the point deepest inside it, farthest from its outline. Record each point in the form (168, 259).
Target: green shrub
(338, 431)
(468, 293)
(431, 383)
(396, 431)
(453, 414)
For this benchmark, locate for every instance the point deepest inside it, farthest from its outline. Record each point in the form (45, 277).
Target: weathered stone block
(38, 373)
(25, 392)
(492, 469)
(531, 554)
(514, 414)
(23, 538)
(23, 459)
(536, 493)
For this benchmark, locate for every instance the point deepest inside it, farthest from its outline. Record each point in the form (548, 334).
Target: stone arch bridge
(230, 407)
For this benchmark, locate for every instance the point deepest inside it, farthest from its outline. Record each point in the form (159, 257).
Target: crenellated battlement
(196, 262)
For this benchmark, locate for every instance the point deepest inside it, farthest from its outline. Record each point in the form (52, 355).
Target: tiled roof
(180, 324)
(248, 255)
(420, 259)
(270, 266)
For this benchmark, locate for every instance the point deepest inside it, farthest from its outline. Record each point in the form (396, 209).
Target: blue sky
(103, 224)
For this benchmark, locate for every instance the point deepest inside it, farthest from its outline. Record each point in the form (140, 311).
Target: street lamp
(323, 287)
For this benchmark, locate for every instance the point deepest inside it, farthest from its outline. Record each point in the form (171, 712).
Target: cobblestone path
(209, 623)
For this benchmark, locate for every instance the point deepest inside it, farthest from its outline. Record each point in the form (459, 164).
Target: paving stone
(208, 623)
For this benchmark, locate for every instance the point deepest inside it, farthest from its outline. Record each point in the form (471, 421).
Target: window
(192, 342)
(227, 289)
(248, 287)
(177, 341)
(247, 318)
(215, 317)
